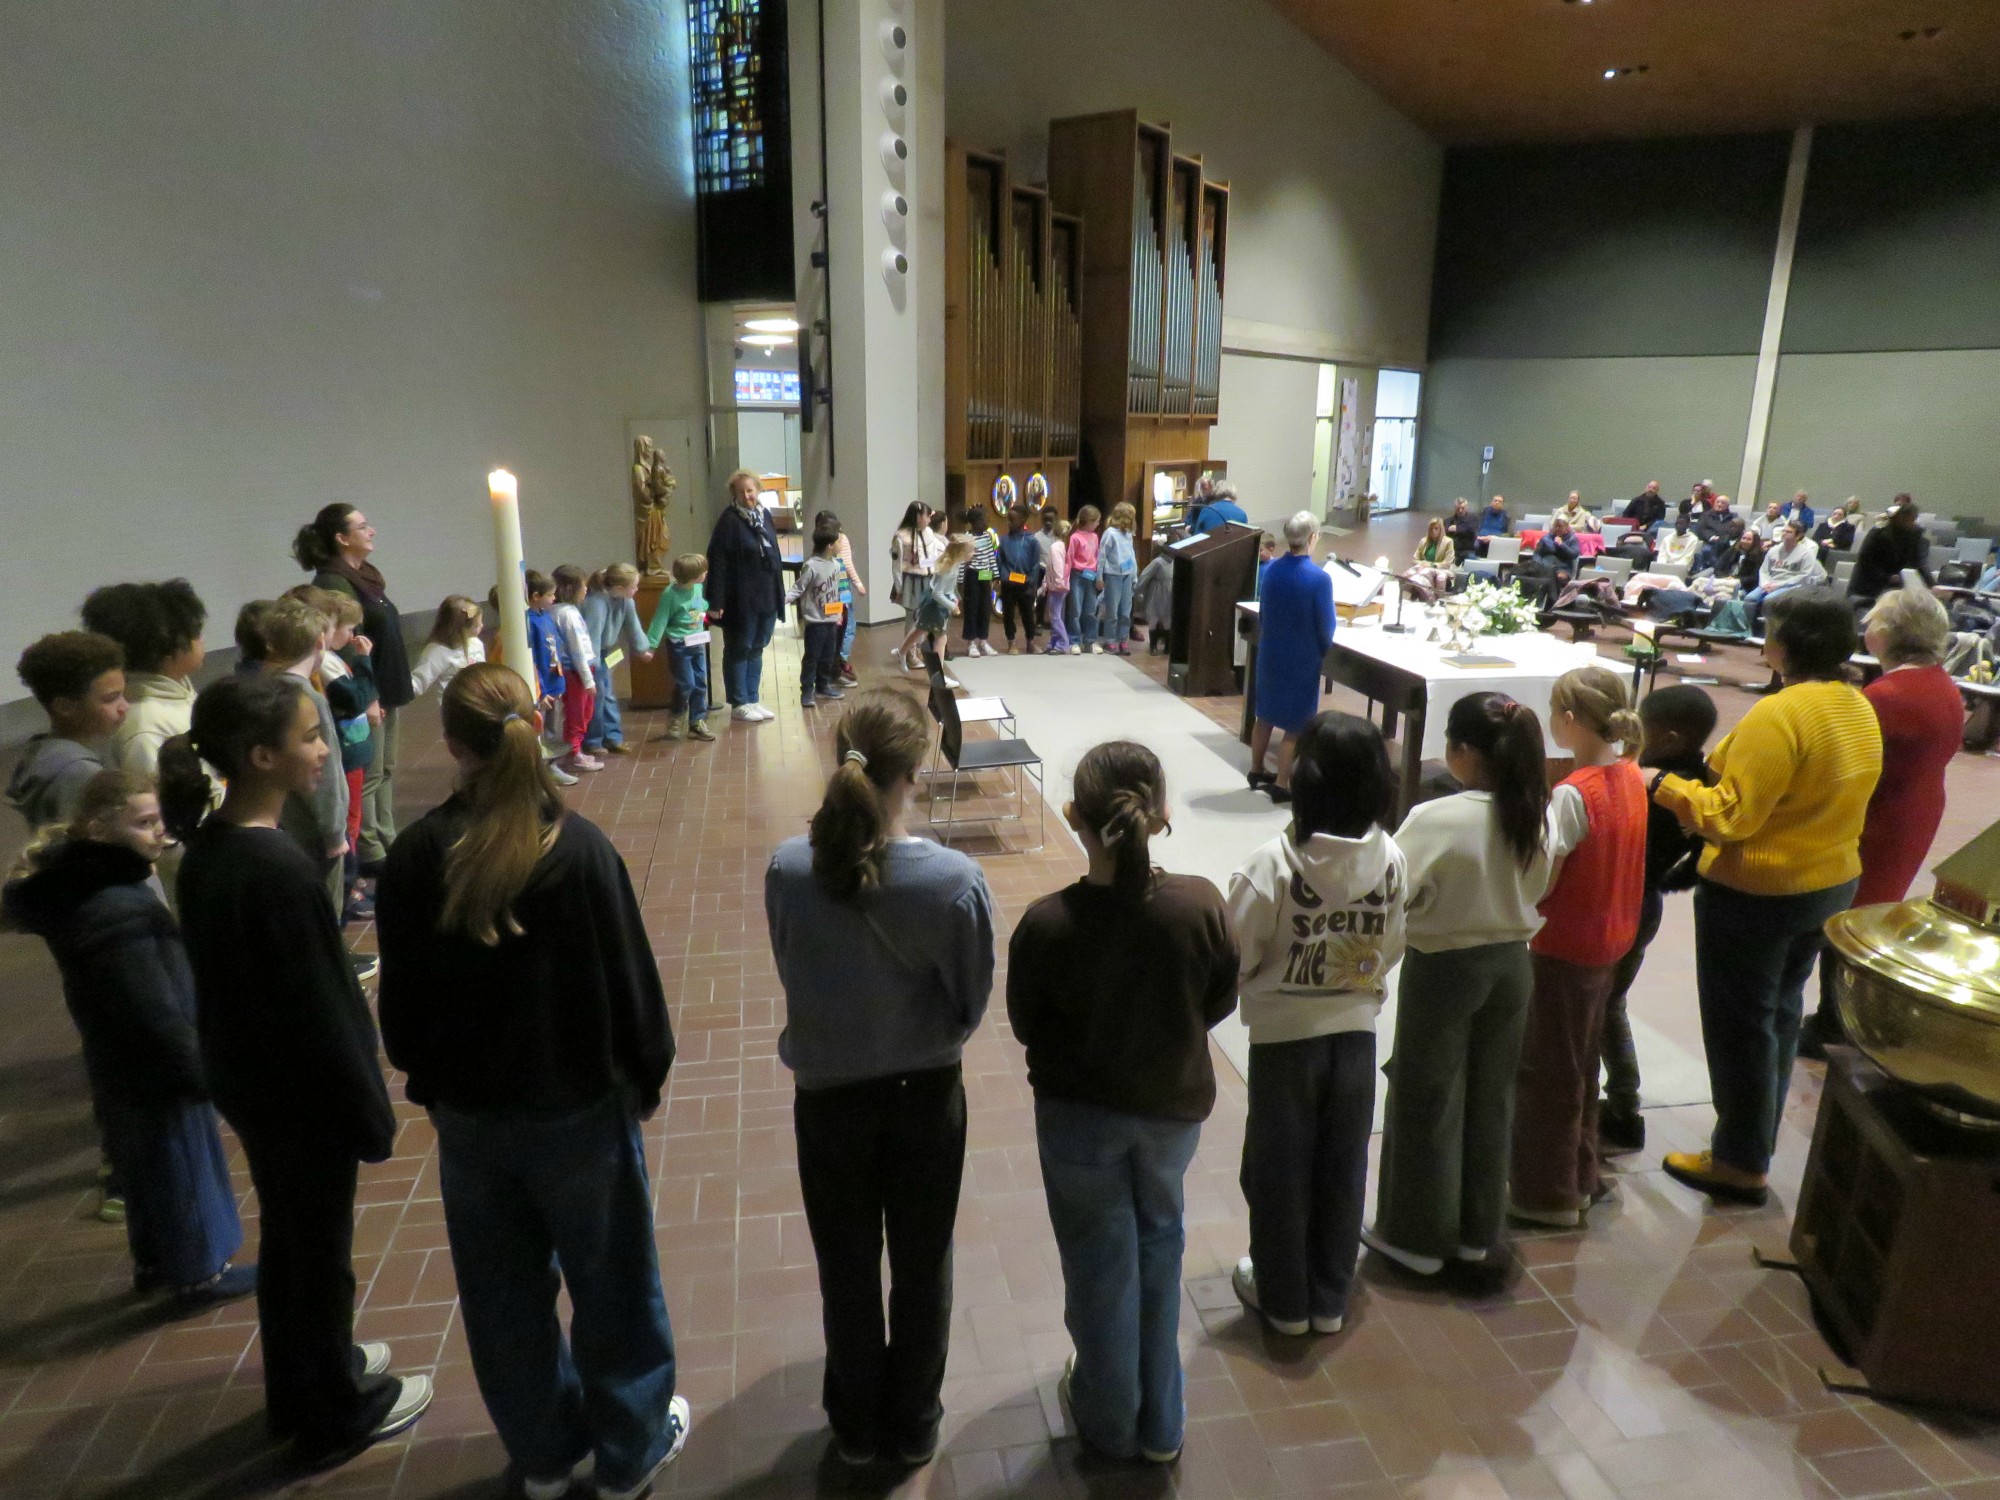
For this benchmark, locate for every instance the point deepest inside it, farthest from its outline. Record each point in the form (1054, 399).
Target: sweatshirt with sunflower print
(1320, 925)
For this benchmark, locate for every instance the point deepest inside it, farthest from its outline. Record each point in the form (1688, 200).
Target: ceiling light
(1610, 72)
(768, 340)
(772, 325)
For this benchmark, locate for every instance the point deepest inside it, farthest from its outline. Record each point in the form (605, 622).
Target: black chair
(1003, 754)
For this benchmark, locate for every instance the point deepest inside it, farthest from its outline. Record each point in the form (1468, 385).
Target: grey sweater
(892, 983)
(50, 777)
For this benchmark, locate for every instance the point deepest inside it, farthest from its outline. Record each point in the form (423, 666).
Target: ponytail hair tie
(857, 757)
(510, 719)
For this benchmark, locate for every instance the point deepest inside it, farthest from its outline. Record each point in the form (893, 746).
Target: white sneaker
(1244, 1280)
(1095, 649)
(374, 1359)
(412, 1397)
(1076, 650)
(677, 1430)
(747, 712)
(764, 714)
(560, 776)
(950, 681)
(1327, 1325)
(556, 1489)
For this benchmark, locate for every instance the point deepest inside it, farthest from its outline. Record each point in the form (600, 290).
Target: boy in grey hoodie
(79, 679)
(1319, 916)
(822, 616)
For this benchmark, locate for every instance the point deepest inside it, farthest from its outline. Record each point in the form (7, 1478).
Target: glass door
(1394, 447)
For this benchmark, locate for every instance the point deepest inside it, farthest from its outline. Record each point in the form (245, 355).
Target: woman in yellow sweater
(1783, 825)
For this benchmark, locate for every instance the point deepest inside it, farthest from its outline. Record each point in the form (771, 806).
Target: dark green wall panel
(1899, 243)
(1606, 249)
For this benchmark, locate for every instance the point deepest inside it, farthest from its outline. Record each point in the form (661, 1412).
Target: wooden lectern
(652, 681)
(1211, 573)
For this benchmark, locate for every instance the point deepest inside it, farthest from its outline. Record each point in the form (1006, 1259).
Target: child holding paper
(681, 620)
(612, 619)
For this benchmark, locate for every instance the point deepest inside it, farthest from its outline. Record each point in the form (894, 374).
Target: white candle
(513, 574)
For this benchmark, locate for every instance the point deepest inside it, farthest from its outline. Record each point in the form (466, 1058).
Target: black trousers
(1621, 1054)
(884, 1155)
(1017, 601)
(314, 1392)
(819, 658)
(1305, 1169)
(975, 603)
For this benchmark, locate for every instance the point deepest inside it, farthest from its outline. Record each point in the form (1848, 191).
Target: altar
(1419, 679)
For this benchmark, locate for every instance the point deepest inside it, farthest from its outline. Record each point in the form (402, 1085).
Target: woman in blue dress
(1295, 629)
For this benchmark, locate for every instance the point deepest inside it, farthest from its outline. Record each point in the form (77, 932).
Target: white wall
(1333, 195)
(1266, 430)
(256, 258)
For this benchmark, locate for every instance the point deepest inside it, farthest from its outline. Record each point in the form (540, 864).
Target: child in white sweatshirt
(1319, 916)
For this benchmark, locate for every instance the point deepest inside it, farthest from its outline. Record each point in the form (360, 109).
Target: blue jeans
(1116, 608)
(1083, 594)
(1757, 598)
(1115, 1200)
(847, 631)
(690, 666)
(1752, 957)
(534, 1203)
(607, 724)
(744, 638)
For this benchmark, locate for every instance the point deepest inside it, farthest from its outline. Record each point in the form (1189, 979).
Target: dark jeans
(314, 1392)
(883, 1158)
(180, 1211)
(975, 606)
(1621, 1056)
(744, 638)
(819, 661)
(1116, 1197)
(1017, 601)
(1305, 1169)
(690, 664)
(534, 1205)
(1752, 957)
(1555, 1164)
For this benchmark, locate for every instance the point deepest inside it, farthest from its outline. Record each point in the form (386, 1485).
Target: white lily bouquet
(1485, 609)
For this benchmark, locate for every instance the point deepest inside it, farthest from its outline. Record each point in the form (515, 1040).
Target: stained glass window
(729, 124)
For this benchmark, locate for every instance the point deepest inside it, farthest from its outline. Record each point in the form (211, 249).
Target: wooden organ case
(1154, 272)
(1013, 336)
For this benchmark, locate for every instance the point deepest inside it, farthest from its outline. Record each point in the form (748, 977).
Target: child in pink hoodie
(1082, 602)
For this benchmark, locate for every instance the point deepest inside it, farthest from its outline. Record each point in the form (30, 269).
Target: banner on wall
(1347, 461)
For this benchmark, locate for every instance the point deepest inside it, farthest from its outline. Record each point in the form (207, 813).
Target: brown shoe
(620, 748)
(699, 731)
(1722, 1182)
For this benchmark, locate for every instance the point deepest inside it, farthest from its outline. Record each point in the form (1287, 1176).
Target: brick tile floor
(1645, 1358)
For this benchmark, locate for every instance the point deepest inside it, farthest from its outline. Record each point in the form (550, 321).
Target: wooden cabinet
(1154, 272)
(1013, 335)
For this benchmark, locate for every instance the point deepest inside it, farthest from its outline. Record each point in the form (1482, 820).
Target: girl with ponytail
(1593, 905)
(88, 890)
(1112, 985)
(289, 1049)
(1478, 862)
(520, 995)
(884, 946)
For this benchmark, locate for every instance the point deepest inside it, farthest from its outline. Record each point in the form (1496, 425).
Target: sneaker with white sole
(677, 1432)
(555, 1489)
(1328, 1325)
(1244, 1280)
(413, 1397)
(559, 776)
(1076, 650)
(763, 713)
(374, 1358)
(747, 713)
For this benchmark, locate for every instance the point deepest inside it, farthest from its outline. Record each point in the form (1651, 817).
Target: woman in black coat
(335, 547)
(746, 592)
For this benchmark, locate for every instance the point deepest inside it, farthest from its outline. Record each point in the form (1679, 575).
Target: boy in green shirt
(681, 619)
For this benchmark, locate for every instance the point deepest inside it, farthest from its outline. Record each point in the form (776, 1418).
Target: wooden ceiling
(1528, 70)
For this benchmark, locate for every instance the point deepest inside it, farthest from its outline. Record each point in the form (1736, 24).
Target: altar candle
(513, 575)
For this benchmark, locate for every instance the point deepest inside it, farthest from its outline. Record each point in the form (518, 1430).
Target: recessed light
(1610, 72)
(1626, 72)
(767, 340)
(772, 325)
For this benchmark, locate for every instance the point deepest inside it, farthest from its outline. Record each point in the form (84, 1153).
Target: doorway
(1394, 464)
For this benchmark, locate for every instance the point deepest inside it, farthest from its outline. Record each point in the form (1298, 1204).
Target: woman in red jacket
(1923, 723)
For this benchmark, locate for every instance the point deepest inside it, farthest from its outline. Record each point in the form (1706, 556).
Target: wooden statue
(653, 486)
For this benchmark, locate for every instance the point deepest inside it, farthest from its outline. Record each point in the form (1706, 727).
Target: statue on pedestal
(653, 486)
